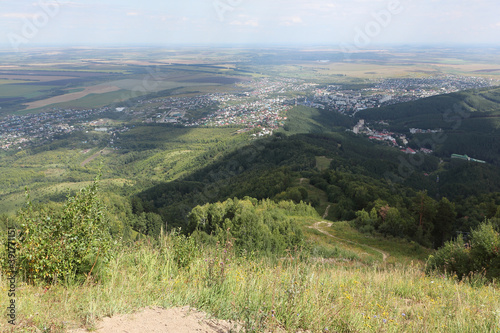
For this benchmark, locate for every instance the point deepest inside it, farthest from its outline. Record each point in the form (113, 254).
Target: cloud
(19, 15)
(133, 14)
(291, 20)
(248, 23)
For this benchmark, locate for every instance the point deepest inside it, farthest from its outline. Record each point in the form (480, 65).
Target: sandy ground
(159, 320)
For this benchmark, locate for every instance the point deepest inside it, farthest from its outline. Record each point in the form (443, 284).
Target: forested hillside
(470, 121)
(159, 173)
(368, 183)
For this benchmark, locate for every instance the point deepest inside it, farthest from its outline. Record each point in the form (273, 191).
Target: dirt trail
(159, 320)
(316, 226)
(326, 211)
(93, 157)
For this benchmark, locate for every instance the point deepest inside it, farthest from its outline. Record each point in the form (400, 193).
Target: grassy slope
(148, 154)
(338, 294)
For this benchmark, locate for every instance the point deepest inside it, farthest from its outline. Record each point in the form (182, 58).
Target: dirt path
(326, 211)
(93, 157)
(316, 226)
(301, 180)
(159, 320)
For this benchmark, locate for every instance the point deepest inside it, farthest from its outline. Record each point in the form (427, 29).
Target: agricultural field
(89, 82)
(72, 76)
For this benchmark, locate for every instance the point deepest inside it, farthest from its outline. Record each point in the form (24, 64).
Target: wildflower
(385, 321)
(403, 314)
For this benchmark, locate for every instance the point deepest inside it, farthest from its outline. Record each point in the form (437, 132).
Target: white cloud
(248, 23)
(291, 20)
(19, 15)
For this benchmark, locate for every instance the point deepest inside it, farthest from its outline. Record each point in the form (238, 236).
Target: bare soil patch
(159, 320)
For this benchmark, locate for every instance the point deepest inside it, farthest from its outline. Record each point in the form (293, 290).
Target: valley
(327, 185)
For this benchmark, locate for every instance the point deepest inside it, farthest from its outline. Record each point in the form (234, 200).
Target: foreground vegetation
(291, 293)
(265, 281)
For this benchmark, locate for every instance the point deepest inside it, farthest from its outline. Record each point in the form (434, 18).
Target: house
(408, 151)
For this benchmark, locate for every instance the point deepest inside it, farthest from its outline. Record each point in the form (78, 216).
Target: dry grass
(288, 294)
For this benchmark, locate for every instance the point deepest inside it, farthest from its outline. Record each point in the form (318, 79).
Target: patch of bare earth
(159, 320)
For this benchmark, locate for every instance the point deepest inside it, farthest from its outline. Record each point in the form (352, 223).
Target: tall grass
(264, 294)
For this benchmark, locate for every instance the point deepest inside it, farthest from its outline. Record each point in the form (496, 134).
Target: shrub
(264, 226)
(452, 257)
(63, 244)
(184, 249)
(480, 255)
(485, 250)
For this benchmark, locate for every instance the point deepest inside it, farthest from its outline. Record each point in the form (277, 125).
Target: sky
(348, 24)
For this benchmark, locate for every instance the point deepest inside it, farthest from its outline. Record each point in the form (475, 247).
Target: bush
(485, 250)
(264, 226)
(481, 255)
(64, 244)
(453, 257)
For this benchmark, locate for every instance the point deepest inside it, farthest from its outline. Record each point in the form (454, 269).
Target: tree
(443, 222)
(392, 223)
(366, 222)
(424, 212)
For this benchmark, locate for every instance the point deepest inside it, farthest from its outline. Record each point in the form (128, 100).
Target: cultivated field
(99, 89)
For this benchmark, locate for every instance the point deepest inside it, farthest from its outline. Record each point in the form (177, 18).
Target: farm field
(37, 83)
(100, 89)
